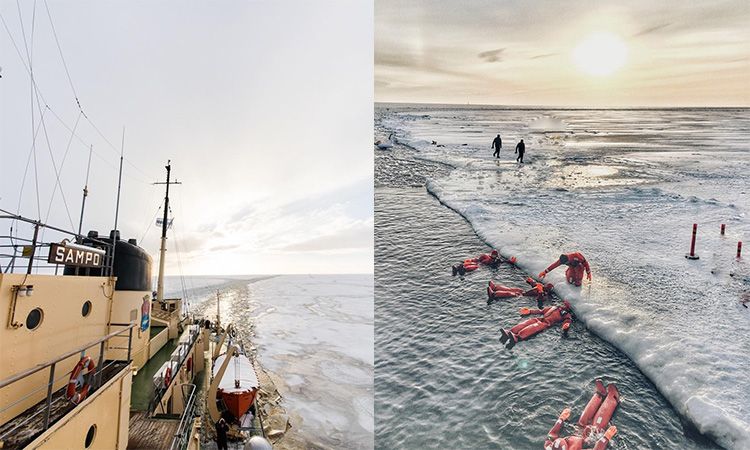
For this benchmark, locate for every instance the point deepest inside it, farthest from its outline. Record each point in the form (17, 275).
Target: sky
(263, 107)
(665, 53)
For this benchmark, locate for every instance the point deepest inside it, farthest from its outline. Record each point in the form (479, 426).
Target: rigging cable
(150, 224)
(59, 48)
(62, 163)
(57, 173)
(179, 266)
(179, 199)
(62, 122)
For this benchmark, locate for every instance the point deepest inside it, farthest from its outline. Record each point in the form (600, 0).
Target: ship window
(90, 436)
(86, 309)
(34, 318)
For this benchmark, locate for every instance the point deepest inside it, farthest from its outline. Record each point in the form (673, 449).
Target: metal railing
(182, 435)
(96, 378)
(182, 350)
(24, 254)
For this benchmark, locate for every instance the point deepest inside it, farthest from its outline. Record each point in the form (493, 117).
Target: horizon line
(508, 106)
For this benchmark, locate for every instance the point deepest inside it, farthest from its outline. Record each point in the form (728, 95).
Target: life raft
(78, 390)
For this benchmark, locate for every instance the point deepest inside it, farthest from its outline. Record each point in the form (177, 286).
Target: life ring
(167, 376)
(77, 388)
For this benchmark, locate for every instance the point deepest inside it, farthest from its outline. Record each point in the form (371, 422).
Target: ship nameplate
(78, 256)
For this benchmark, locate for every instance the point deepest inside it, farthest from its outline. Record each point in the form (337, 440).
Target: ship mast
(164, 226)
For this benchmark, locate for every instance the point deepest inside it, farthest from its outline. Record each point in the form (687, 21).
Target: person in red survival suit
(594, 418)
(551, 315)
(538, 290)
(576, 265)
(555, 442)
(472, 264)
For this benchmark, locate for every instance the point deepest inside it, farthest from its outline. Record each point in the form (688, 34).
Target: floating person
(464, 267)
(594, 418)
(551, 315)
(469, 265)
(497, 144)
(538, 290)
(576, 265)
(520, 149)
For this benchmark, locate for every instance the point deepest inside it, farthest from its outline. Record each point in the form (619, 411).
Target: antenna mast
(164, 226)
(117, 208)
(85, 190)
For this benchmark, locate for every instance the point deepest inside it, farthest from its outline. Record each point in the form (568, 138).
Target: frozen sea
(623, 187)
(314, 334)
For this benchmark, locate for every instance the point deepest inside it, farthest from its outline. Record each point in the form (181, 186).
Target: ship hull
(238, 403)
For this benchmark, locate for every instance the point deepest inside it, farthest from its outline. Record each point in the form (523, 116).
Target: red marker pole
(739, 249)
(692, 254)
(723, 226)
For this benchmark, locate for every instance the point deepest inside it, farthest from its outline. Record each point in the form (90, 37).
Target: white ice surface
(624, 188)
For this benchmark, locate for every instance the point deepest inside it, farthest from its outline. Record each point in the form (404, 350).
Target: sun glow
(600, 54)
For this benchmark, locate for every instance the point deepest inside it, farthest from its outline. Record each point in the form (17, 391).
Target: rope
(150, 224)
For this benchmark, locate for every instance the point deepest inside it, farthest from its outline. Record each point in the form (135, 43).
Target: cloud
(652, 29)
(492, 56)
(543, 55)
(358, 235)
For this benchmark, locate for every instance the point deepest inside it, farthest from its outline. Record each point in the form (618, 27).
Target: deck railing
(96, 379)
(182, 350)
(26, 249)
(182, 435)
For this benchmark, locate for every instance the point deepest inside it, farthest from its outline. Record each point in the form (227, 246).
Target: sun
(600, 54)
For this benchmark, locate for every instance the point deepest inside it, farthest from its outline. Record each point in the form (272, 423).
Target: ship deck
(27, 426)
(142, 393)
(150, 433)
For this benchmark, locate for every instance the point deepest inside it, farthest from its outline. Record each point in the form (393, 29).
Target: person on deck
(221, 434)
(551, 315)
(576, 265)
(520, 149)
(497, 144)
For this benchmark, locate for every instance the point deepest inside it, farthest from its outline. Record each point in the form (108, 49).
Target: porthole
(86, 309)
(90, 436)
(34, 319)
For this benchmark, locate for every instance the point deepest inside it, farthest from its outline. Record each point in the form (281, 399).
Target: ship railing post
(49, 395)
(101, 365)
(130, 341)
(33, 248)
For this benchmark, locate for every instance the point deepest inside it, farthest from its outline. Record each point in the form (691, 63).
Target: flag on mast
(160, 222)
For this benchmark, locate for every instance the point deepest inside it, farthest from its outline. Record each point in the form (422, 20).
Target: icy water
(314, 335)
(624, 188)
(442, 379)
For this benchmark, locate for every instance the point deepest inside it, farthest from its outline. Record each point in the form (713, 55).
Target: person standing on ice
(576, 265)
(520, 149)
(497, 144)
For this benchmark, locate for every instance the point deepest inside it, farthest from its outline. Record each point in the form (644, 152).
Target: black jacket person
(497, 144)
(520, 149)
